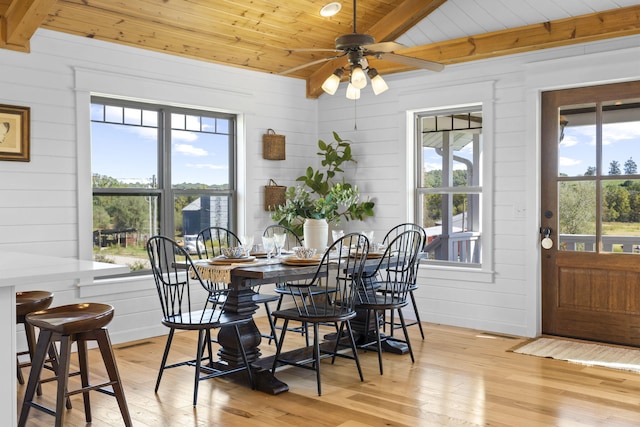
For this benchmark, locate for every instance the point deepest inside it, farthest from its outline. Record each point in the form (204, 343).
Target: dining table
(242, 277)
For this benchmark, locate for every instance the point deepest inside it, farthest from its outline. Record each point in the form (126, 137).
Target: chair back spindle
(210, 241)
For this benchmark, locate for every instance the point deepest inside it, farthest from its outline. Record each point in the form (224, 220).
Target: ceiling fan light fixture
(330, 9)
(377, 82)
(353, 92)
(332, 82)
(358, 78)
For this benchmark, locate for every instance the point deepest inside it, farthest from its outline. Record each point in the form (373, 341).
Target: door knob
(546, 242)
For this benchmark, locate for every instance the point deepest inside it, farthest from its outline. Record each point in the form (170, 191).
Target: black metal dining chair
(341, 277)
(184, 309)
(387, 288)
(210, 242)
(392, 234)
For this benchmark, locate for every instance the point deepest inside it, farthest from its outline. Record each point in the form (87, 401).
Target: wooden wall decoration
(14, 133)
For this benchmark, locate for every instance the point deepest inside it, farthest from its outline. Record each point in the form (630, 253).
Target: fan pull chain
(355, 114)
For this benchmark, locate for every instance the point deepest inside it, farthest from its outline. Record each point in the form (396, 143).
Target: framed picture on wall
(14, 133)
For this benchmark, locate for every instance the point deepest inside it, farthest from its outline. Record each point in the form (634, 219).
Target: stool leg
(63, 377)
(19, 371)
(29, 331)
(83, 361)
(37, 363)
(104, 343)
(54, 358)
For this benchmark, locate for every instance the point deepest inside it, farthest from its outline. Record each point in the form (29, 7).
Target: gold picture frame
(14, 133)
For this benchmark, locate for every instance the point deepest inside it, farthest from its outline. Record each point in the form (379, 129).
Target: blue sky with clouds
(129, 154)
(620, 142)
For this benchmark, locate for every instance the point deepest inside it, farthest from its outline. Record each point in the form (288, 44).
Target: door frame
(560, 73)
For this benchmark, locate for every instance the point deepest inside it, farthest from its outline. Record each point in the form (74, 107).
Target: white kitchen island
(25, 269)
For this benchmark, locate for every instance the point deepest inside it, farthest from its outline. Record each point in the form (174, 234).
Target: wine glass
(247, 243)
(335, 235)
(369, 236)
(268, 244)
(278, 240)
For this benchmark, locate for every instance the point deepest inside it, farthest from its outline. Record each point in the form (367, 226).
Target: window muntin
(599, 189)
(157, 170)
(449, 190)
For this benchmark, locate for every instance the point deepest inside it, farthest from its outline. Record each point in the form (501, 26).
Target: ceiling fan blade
(412, 62)
(308, 64)
(384, 47)
(313, 50)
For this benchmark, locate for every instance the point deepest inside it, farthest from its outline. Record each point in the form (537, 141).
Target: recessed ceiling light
(330, 9)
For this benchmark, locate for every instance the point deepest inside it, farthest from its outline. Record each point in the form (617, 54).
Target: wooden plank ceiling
(256, 34)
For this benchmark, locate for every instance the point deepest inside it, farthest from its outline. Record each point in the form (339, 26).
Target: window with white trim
(158, 169)
(449, 189)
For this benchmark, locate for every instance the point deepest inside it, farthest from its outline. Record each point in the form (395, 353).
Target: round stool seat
(29, 301)
(73, 318)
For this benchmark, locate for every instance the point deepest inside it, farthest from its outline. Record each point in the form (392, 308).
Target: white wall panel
(505, 297)
(45, 204)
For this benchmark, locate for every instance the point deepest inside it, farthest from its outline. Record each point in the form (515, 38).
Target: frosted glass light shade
(378, 85)
(331, 84)
(358, 77)
(377, 82)
(353, 92)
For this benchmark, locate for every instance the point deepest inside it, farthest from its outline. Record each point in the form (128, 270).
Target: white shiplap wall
(505, 296)
(44, 203)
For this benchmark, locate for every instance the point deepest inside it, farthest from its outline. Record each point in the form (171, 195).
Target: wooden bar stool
(28, 302)
(67, 324)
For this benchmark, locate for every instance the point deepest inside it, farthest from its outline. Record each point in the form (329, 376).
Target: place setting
(302, 257)
(232, 255)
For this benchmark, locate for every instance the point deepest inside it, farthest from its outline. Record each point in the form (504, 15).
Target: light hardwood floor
(461, 377)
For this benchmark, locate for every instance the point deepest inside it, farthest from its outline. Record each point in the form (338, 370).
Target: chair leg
(104, 343)
(415, 310)
(335, 348)
(305, 329)
(201, 345)
(279, 346)
(392, 324)
(353, 347)
(378, 338)
(244, 358)
(406, 334)
(209, 340)
(316, 356)
(272, 324)
(164, 358)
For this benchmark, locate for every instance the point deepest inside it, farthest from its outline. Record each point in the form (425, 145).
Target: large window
(157, 170)
(449, 187)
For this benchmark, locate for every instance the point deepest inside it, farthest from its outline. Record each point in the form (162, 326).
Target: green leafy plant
(323, 194)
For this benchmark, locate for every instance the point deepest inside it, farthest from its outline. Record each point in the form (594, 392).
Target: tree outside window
(157, 170)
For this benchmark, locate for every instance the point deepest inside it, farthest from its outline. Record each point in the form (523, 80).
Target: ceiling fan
(357, 47)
